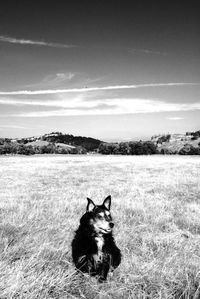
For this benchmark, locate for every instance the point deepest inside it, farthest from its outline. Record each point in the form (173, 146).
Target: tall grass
(156, 208)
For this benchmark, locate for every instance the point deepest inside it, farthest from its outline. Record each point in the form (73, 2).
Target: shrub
(189, 149)
(164, 138)
(25, 150)
(167, 151)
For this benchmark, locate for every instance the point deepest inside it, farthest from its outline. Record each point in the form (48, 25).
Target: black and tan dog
(93, 248)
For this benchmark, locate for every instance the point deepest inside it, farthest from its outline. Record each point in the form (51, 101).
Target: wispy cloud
(85, 89)
(146, 51)
(12, 127)
(59, 77)
(75, 103)
(13, 40)
(107, 107)
(59, 102)
(175, 118)
(53, 80)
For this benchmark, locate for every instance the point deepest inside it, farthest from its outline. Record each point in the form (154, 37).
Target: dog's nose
(111, 224)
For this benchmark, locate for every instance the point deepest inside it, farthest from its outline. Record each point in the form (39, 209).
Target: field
(155, 206)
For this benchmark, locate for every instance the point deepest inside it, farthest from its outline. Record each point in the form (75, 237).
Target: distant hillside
(58, 143)
(183, 144)
(53, 143)
(90, 144)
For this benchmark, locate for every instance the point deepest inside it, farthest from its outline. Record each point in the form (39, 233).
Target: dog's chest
(98, 257)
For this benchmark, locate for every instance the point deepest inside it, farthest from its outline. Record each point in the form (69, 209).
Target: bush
(164, 138)
(16, 148)
(108, 148)
(25, 150)
(47, 149)
(189, 149)
(195, 137)
(167, 151)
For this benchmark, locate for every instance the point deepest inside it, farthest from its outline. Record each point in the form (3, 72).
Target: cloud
(14, 40)
(175, 118)
(85, 89)
(146, 51)
(74, 103)
(61, 103)
(12, 127)
(64, 76)
(58, 78)
(6, 101)
(53, 79)
(114, 106)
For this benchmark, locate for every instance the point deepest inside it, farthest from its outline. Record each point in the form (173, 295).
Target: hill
(182, 144)
(59, 143)
(53, 143)
(90, 144)
(188, 143)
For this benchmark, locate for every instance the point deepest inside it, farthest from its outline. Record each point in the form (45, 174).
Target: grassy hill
(53, 143)
(90, 144)
(178, 143)
(59, 143)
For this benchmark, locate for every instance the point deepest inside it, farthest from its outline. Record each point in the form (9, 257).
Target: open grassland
(156, 208)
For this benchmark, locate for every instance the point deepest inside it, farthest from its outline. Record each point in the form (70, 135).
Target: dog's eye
(100, 217)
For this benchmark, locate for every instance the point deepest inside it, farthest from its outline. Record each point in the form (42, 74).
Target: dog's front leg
(115, 257)
(104, 272)
(84, 264)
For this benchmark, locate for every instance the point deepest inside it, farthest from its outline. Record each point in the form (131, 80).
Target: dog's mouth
(105, 231)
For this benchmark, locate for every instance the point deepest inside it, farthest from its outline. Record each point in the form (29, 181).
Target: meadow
(156, 210)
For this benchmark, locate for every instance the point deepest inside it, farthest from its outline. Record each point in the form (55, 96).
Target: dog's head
(98, 217)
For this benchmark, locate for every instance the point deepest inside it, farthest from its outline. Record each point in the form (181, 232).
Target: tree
(124, 148)
(128, 148)
(189, 149)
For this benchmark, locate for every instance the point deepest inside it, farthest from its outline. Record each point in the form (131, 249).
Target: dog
(93, 248)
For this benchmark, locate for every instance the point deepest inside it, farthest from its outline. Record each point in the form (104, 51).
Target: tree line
(104, 148)
(22, 149)
(128, 148)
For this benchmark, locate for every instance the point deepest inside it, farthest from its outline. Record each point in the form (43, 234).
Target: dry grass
(157, 214)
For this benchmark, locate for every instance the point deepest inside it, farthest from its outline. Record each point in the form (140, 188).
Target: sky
(110, 69)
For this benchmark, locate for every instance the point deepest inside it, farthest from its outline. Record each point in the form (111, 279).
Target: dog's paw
(111, 274)
(101, 279)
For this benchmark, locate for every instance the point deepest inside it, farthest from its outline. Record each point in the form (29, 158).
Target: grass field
(155, 205)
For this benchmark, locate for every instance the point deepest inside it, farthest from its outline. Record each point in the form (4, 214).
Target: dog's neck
(100, 242)
(99, 255)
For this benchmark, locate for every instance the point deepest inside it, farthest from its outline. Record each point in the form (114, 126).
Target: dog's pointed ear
(107, 202)
(90, 205)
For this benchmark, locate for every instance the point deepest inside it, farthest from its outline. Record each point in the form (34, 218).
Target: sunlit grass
(156, 208)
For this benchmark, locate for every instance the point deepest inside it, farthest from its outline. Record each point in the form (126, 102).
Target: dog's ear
(90, 205)
(107, 202)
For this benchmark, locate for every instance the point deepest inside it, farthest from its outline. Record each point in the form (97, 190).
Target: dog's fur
(93, 248)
